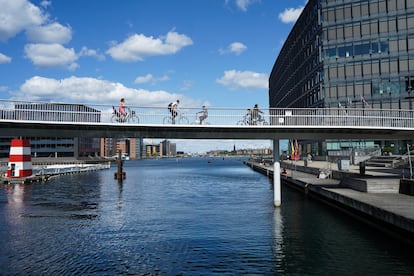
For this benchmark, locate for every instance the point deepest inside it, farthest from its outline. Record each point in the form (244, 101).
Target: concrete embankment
(385, 209)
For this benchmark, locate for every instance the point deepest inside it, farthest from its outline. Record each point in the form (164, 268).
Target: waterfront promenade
(386, 209)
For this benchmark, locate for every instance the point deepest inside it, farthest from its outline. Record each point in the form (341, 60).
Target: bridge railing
(302, 117)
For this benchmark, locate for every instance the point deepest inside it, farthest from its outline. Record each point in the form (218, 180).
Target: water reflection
(278, 242)
(120, 189)
(15, 195)
(180, 218)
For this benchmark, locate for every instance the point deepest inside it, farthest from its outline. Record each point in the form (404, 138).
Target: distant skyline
(217, 53)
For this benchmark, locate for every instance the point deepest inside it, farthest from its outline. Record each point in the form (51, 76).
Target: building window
(375, 68)
(402, 24)
(364, 9)
(365, 29)
(362, 49)
(373, 7)
(330, 53)
(392, 25)
(332, 34)
(367, 68)
(385, 68)
(383, 26)
(392, 6)
(358, 69)
(339, 14)
(348, 31)
(384, 46)
(349, 70)
(403, 65)
(382, 6)
(346, 51)
(374, 28)
(394, 67)
(402, 45)
(409, 84)
(356, 10)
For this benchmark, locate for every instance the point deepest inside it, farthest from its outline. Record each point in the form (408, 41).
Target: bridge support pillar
(277, 192)
(120, 174)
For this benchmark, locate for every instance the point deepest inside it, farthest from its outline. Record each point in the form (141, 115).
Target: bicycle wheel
(241, 123)
(167, 120)
(184, 120)
(114, 119)
(134, 119)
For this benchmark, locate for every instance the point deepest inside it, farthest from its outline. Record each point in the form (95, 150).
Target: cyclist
(122, 109)
(202, 115)
(256, 117)
(173, 107)
(248, 117)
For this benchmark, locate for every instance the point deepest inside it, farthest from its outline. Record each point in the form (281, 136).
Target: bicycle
(179, 119)
(259, 121)
(117, 117)
(248, 121)
(197, 120)
(245, 121)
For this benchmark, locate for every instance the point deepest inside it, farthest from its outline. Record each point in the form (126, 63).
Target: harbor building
(348, 54)
(54, 146)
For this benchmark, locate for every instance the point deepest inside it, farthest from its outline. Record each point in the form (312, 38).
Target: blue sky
(214, 52)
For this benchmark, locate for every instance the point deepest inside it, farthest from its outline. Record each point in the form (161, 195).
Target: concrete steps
(372, 185)
(383, 161)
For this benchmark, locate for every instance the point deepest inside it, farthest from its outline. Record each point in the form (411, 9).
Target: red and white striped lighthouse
(20, 159)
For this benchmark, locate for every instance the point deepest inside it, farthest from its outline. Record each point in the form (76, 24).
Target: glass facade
(347, 53)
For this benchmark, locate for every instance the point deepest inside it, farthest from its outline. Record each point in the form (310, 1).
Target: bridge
(40, 119)
(46, 119)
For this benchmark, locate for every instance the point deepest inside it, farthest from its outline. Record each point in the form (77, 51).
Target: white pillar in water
(277, 192)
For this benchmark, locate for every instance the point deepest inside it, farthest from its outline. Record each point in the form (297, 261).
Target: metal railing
(106, 114)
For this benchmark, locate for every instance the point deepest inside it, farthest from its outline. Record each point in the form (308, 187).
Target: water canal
(183, 217)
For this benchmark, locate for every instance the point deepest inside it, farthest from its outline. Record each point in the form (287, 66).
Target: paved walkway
(354, 169)
(392, 202)
(392, 208)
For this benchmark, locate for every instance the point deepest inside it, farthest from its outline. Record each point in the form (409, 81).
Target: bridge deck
(18, 118)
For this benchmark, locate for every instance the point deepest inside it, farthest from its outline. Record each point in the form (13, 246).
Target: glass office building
(347, 53)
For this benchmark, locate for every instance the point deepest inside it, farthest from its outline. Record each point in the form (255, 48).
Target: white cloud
(92, 90)
(290, 15)
(4, 59)
(91, 53)
(18, 15)
(51, 55)
(138, 46)
(244, 4)
(45, 3)
(244, 79)
(236, 48)
(51, 33)
(150, 78)
(187, 84)
(144, 79)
